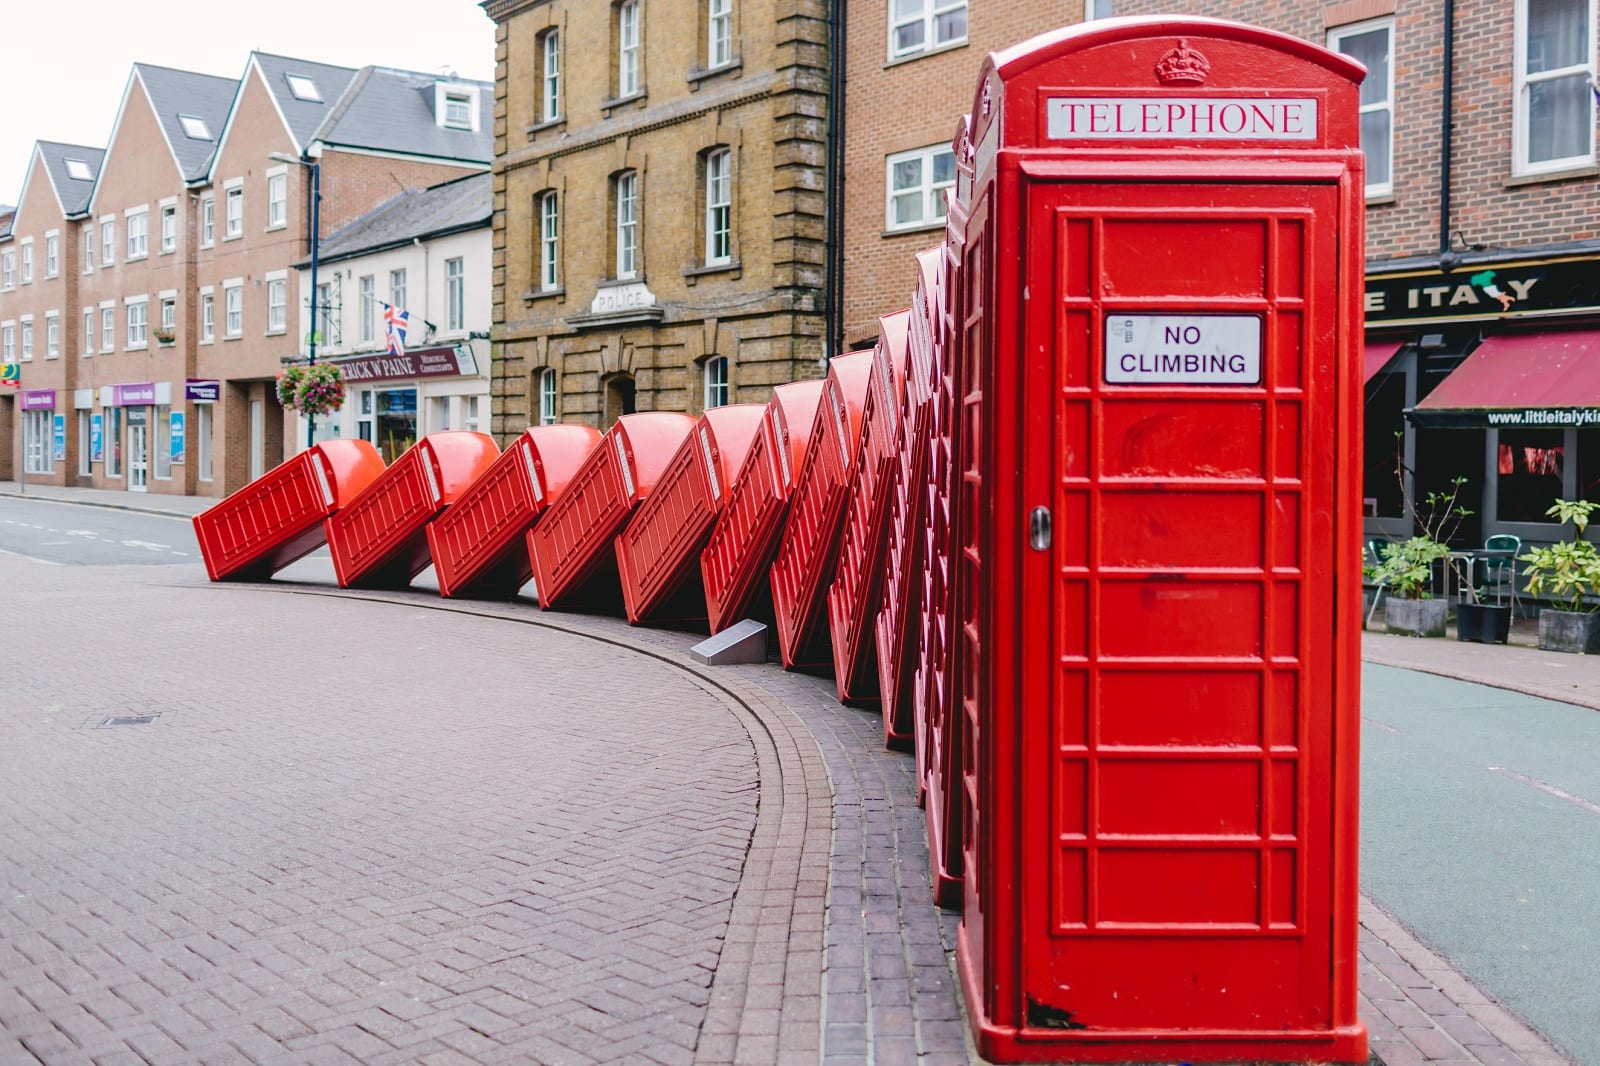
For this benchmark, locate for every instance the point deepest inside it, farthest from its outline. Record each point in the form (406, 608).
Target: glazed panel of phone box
(810, 544)
(898, 622)
(661, 541)
(487, 521)
(251, 531)
(745, 535)
(858, 582)
(576, 533)
(388, 516)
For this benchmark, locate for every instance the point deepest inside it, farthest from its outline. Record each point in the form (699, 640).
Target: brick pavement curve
(831, 949)
(358, 833)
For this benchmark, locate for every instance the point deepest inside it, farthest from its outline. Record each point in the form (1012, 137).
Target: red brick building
(149, 290)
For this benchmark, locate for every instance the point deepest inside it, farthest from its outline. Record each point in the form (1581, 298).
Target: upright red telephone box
(1158, 579)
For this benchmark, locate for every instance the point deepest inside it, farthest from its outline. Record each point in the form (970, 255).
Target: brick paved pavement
(828, 946)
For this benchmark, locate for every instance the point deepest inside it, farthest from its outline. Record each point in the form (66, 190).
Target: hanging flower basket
(314, 390)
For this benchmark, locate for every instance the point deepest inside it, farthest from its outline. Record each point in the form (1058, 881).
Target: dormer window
(455, 107)
(194, 128)
(78, 170)
(302, 87)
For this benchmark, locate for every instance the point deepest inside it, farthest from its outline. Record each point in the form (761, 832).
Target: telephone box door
(1179, 603)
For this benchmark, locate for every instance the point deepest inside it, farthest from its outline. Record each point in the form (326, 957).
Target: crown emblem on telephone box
(1183, 66)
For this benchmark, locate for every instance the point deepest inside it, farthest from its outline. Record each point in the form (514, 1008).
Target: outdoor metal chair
(1500, 568)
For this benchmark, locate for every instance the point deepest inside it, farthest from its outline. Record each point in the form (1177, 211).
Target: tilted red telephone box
(857, 588)
(738, 556)
(1158, 587)
(896, 623)
(278, 518)
(381, 539)
(477, 545)
(658, 552)
(809, 547)
(573, 558)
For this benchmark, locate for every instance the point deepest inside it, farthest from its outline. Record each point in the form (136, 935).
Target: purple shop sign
(443, 361)
(202, 390)
(133, 395)
(38, 399)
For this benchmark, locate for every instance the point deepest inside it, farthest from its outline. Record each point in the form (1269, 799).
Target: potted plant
(316, 389)
(163, 335)
(1485, 623)
(1568, 573)
(1406, 569)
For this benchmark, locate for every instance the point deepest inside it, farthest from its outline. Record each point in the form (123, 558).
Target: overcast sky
(66, 64)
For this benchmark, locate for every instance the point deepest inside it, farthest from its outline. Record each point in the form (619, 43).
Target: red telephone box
(896, 626)
(658, 553)
(737, 558)
(857, 588)
(380, 539)
(571, 547)
(1158, 552)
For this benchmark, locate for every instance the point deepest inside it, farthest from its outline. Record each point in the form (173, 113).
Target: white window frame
(233, 309)
(8, 270)
(719, 207)
(88, 247)
(627, 221)
(108, 326)
(367, 306)
(88, 332)
(717, 392)
(550, 55)
(233, 210)
(25, 326)
(169, 226)
(719, 33)
(194, 127)
(52, 253)
(547, 396)
(277, 302)
(108, 241)
(1521, 165)
(136, 310)
(1336, 38)
(455, 293)
(928, 17)
(169, 309)
(208, 221)
(1096, 9)
(303, 87)
(52, 335)
(137, 220)
(278, 197)
(78, 170)
(549, 242)
(208, 314)
(628, 79)
(397, 288)
(458, 111)
(25, 271)
(455, 95)
(8, 342)
(931, 192)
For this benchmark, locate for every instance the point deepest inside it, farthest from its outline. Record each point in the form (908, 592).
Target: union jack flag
(395, 322)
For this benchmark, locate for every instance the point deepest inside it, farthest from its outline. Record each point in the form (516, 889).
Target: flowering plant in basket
(320, 389)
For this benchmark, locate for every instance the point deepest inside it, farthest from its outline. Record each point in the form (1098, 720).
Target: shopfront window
(1532, 467)
(36, 428)
(113, 443)
(395, 422)
(364, 417)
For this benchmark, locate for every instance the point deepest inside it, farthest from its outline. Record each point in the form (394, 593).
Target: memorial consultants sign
(448, 360)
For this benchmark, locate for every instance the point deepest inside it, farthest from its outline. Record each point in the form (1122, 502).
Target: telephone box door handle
(1039, 529)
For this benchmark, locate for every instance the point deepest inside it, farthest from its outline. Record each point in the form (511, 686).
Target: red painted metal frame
(380, 540)
(737, 559)
(477, 544)
(658, 552)
(1159, 841)
(897, 626)
(573, 558)
(279, 517)
(809, 548)
(854, 596)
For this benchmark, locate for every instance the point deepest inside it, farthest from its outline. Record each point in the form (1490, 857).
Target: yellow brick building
(659, 204)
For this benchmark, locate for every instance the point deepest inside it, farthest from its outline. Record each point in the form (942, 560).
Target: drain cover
(129, 719)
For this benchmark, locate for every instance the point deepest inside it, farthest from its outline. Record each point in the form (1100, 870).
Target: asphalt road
(72, 535)
(1481, 832)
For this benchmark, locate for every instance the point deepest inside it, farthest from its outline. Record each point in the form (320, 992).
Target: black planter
(1569, 631)
(1484, 623)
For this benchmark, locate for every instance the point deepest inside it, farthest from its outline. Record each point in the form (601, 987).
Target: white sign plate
(1181, 118)
(1183, 349)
